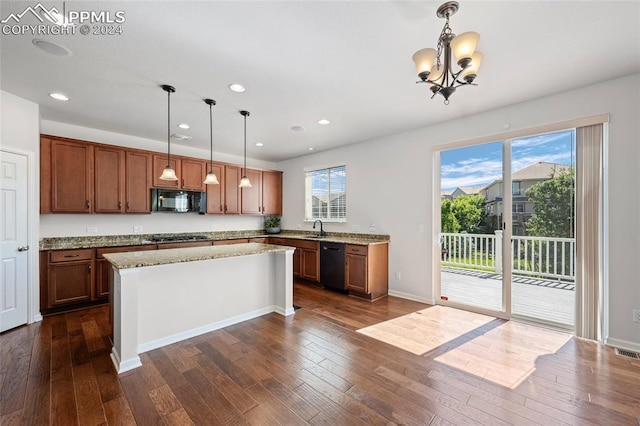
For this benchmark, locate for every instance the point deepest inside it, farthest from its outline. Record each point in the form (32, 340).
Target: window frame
(308, 206)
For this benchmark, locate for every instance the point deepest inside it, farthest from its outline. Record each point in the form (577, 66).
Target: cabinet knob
(220, 207)
(119, 204)
(88, 204)
(128, 205)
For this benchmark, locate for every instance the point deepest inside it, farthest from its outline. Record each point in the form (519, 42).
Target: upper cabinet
(193, 174)
(109, 171)
(86, 177)
(265, 195)
(138, 169)
(66, 174)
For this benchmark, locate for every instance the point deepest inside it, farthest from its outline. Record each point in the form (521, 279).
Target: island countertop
(141, 259)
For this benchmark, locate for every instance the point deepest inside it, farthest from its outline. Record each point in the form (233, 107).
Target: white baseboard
(125, 366)
(178, 337)
(623, 344)
(37, 317)
(284, 312)
(413, 297)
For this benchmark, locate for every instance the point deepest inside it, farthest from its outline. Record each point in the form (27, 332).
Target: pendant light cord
(244, 172)
(211, 137)
(168, 128)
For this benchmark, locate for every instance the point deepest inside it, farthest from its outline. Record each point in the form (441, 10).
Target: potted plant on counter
(272, 224)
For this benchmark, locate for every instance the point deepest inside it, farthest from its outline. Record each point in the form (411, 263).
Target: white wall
(20, 133)
(390, 180)
(57, 225)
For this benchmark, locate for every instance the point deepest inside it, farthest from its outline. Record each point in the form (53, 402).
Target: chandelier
(435, 66)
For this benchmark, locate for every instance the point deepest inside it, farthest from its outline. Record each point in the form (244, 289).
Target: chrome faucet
(322, 233)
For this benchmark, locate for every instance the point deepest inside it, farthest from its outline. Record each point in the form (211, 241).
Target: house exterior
(521, 208)
(466, 190)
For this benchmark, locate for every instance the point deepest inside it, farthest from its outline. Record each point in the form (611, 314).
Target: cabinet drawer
(71, 255)
(309, 245)
(355, 249)
(125, 249)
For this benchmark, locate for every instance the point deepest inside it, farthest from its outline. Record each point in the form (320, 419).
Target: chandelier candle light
(211, 178)
(438, 73)
(168, 173)
(245, 182)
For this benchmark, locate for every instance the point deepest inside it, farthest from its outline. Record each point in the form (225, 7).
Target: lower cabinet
(367, 270)
(306, 257)
(71, 279)
(104, 272)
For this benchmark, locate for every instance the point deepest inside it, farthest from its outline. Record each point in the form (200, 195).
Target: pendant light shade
(244, 182)
(168, 173)
(211, 178)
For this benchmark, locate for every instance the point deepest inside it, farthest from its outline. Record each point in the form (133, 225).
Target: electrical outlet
(92, 229)
(398, 275)
(355, 228)
(372, 228)
(137, 229)
(636, 315)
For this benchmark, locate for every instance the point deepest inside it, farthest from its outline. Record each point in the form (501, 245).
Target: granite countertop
(62, 243)
(180, 255)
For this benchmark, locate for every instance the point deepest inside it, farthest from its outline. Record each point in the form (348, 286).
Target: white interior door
(13, 240)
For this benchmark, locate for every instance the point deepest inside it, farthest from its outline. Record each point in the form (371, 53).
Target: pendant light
(168, 173)
(211, 178)
(244, 182)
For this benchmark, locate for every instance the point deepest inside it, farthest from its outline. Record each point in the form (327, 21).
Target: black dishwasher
(332, 260)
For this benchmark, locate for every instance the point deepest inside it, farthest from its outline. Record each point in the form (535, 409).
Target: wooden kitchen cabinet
(261, 240)
(215, 193)
(138, 169)
(159, 164)
(66, 176)
(272, 193)
(265, 195)
(193, 174)
(367, 270)
(306, 257)
(104, 271)
(109, 179)
(70, 277)
(232, 193)
(251, 197)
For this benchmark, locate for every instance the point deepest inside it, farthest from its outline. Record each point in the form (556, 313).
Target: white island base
(158, 304)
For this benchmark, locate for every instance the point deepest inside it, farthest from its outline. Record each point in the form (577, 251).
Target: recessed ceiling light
(179, 137)
(310, 148)
(239, 88)
(297, 128)
(184, 126)
(51, 47)
(259, 144)
(59, 96)
(324, 121)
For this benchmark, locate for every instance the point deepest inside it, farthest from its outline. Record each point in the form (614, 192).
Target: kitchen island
(165, 296)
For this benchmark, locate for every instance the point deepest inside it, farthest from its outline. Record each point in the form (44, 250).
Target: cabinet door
(251, 202)
(103, 277)
(310, 265)
(272, 193)
(159, 163)
(357, 273)
(231, 189)
(71, 177)
(297, 262)
(109, 180)
(215, 193)
(138, 182)
(69, 283)
(192, 175)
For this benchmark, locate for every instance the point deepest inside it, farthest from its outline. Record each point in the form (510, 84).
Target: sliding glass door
(507, 241)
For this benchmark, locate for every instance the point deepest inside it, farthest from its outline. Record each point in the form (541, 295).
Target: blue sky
(480, 165)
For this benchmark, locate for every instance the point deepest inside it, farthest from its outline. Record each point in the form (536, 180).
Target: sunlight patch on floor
(503, 352)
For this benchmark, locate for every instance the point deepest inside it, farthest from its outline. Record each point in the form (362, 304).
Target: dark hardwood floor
(310, 368)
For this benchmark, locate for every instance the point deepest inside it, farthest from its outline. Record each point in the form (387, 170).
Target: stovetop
(166, 239)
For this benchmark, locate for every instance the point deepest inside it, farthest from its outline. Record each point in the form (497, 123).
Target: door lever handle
(23, 248)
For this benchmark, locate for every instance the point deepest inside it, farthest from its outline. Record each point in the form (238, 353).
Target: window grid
(326, 196)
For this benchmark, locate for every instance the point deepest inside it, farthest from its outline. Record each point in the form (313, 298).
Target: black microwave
(177, 201)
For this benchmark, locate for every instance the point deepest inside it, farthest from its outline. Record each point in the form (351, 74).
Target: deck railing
(542, 257)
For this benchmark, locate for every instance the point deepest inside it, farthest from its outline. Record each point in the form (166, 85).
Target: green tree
(553, 202)
(469, 211)
(448, 221)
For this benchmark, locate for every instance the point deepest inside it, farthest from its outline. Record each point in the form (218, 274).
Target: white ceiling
(347, 61)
